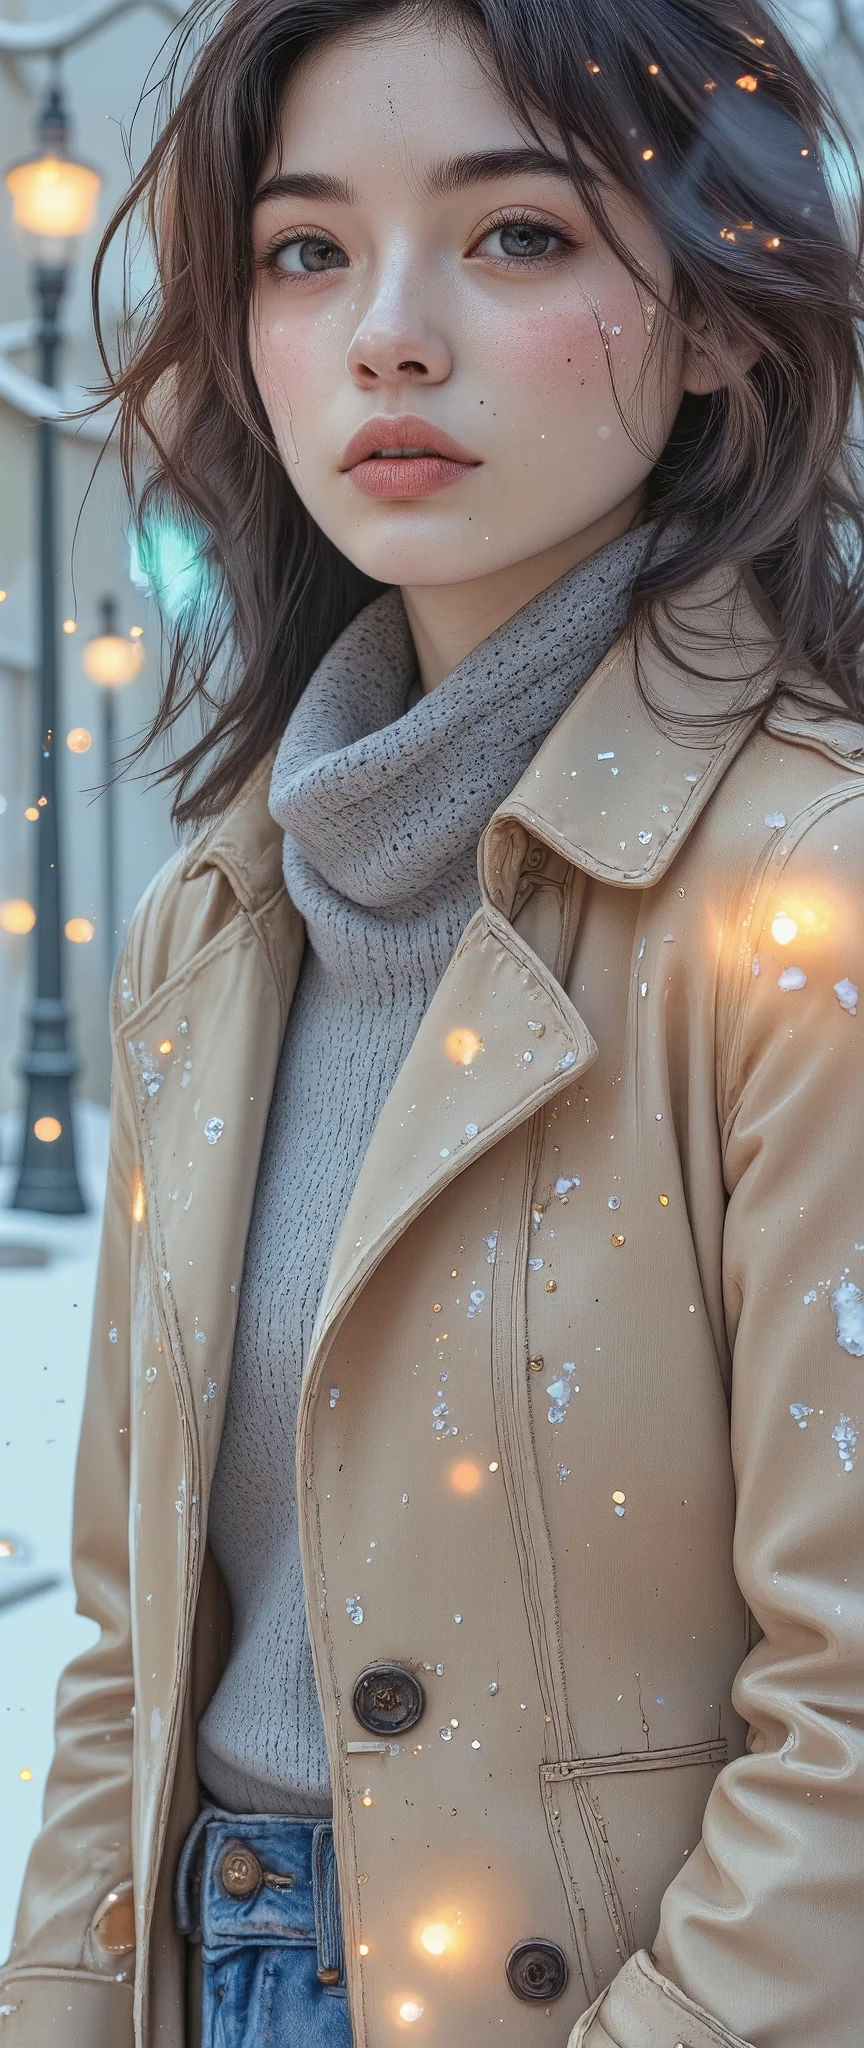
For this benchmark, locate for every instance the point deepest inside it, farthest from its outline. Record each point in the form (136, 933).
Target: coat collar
(245, 843)
(620, 781)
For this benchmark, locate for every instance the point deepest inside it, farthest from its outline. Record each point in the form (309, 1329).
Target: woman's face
(423, 281)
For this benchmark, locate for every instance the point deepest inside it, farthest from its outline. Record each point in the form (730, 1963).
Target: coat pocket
(639, 1815)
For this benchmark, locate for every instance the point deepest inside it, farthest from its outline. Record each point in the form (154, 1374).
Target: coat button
(388, 1700)
(240, 1872)
(537, 1971)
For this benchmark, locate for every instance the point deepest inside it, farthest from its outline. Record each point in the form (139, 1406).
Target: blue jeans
(259, 1893)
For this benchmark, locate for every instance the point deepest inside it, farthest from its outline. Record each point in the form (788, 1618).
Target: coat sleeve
(760, 1933)
(69, 1979)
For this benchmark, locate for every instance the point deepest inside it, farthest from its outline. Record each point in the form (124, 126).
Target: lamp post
(54, 201)
(111, 661)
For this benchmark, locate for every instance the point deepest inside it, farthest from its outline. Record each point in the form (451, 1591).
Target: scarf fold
(381, 804)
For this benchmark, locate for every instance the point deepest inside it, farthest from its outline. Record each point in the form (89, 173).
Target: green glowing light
(167, 561)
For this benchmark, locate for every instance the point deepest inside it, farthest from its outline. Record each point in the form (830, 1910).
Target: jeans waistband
(258, 1879)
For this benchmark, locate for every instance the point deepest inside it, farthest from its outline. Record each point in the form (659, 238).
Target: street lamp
(53, 201)
(111, 661)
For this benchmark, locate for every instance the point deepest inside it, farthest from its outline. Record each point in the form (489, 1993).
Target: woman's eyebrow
(451, 174)
(455, 173)
(307, 185)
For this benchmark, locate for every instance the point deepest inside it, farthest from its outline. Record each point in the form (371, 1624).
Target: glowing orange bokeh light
(465, 1477)
(463, 1045)
(47, 1129)
(17, 916)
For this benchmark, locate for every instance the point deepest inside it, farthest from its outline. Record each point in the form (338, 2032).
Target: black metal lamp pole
(47, 1178)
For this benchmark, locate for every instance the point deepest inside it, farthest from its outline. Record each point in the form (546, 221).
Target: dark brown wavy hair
(704, 113)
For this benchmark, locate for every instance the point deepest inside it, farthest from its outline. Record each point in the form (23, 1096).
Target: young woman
(488, 1092)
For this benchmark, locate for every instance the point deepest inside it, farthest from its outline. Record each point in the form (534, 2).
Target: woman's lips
(408, 476)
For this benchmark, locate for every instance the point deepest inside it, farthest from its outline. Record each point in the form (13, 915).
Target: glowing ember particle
(47, 1129)
(138, 1202)
(653, 70)
(70, 625)
(410, 2011)
(618, 1238)
(663, 1201)
(79, 930)
(784, 928)
(773, 242)
(619, 1498)
(363, 1948)
(25, 1776)
(31, 813)
(747, 82)
(647, 155)
(79, 740)
(166, 1046)
(463, 1045)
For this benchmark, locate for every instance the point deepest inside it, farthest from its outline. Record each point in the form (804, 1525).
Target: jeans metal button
(240, 1871)
(388, 1700)
(537, 1971)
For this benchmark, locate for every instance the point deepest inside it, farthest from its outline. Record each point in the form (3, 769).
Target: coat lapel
(500, 1036)
(615, 790)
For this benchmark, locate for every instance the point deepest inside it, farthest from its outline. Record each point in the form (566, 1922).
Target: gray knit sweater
(382, 808)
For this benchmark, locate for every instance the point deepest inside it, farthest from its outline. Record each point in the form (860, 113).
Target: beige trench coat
(616, 1197)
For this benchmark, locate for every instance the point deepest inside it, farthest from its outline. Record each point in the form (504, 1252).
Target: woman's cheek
(291, 373)
(555, 361)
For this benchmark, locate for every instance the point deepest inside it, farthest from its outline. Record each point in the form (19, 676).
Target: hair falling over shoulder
(701, 110)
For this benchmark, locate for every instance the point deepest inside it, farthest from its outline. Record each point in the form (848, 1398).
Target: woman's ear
(708, 364)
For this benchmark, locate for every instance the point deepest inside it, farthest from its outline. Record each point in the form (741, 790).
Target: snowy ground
(44, 1331)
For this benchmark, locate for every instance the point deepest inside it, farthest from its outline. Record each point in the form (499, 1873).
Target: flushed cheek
(292, 375)
(555, 361)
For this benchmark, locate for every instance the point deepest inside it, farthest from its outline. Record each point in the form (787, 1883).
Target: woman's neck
(448, 621)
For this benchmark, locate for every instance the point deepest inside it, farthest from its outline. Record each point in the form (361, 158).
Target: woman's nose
(394, 344)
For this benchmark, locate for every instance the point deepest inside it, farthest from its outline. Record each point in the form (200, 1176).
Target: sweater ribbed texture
(382, 809)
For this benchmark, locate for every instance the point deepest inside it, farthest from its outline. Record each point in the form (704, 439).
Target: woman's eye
(308, 256)
(517, 239)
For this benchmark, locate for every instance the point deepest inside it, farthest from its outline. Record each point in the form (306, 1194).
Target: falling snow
(845, 1436)
(847, 995)
(848, 1309)
(560, 1392)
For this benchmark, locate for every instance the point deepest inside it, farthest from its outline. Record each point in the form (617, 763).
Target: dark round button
(537, 1971)
(240, 1871)
(388, 1700)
